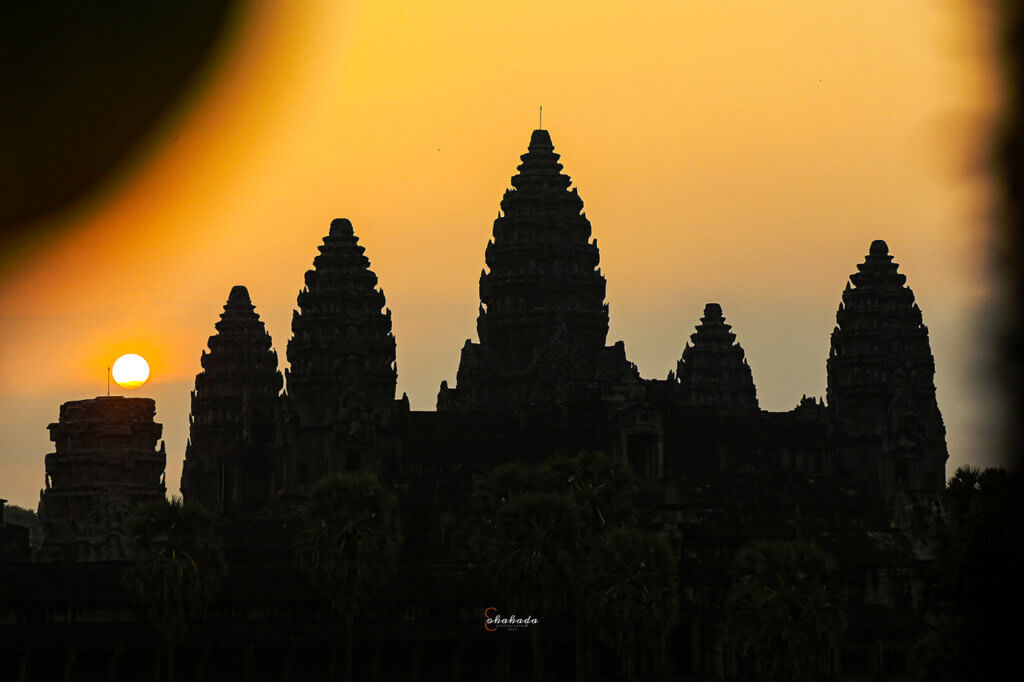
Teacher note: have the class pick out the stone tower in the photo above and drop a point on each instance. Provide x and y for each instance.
(232, 452)
(105, 465)
(543, 321)
(713, 371)
(881, 385)
(341, 384)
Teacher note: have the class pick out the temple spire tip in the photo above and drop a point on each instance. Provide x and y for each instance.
(341, 226)
(540, 139)
(239, 294)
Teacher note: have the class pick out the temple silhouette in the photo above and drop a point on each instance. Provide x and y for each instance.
(859, 471)
(541, 380)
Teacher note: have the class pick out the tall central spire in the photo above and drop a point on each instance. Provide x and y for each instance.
(542, 310)
(543, 277)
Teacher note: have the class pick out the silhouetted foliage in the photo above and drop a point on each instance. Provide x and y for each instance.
(784, 608)
(549, 537)
(530, 548)
(19, 516)
(506, 481)
(980, 559)
(635, 601)
(349, 544)
(604, 494)
(939, 654)
(179, 569)
(26, 518)
(601, 489)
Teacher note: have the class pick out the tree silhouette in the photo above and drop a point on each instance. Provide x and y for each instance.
(180, 566)
(349, 544)
(980, 561)
(27, 518)
(603, 492)
(541, 534)
(939, 653)
(784, 609)
(637, 602)
(528, 548)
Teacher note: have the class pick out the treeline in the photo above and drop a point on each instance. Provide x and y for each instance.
(576, 541)
(974, 625)
(570, 540)
(19, 516)
(26, 518)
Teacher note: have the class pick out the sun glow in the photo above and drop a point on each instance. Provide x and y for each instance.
(130, 371)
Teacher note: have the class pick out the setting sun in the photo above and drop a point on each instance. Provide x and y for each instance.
(130, 371)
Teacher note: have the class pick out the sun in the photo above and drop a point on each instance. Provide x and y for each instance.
(130, 371)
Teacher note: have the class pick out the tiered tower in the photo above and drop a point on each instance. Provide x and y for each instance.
(231, 455)
(105, 465)
(713, 371)
(341, 383)
(881, 381)
(542, 319)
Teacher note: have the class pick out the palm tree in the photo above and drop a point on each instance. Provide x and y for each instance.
(555, 516)
(349, 544)
(978, 554)
(528, 546)
(784, 608)
(180, 566)
(604, 493)
(940, 653)
(637, 602)
(603, 490)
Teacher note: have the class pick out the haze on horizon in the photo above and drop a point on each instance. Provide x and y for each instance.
(745, 153)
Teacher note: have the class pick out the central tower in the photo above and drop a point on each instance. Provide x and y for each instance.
(543, 321)
(543, 278)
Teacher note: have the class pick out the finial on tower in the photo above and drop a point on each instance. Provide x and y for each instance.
(879, 248)
(239, 296)
(540, 119)
(341, 227)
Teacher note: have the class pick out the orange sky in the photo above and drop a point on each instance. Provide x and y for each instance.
(739, 151)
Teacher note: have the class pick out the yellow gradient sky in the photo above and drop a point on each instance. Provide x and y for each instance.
(739, 151)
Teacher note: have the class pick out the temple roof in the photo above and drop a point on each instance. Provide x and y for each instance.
(239, 296)
(543, 266)
(341, 334)
(880, 342)
(878, 297)
(542, 311)
(713, 371)
(540, 139)
(341, 227)
(241, 357)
